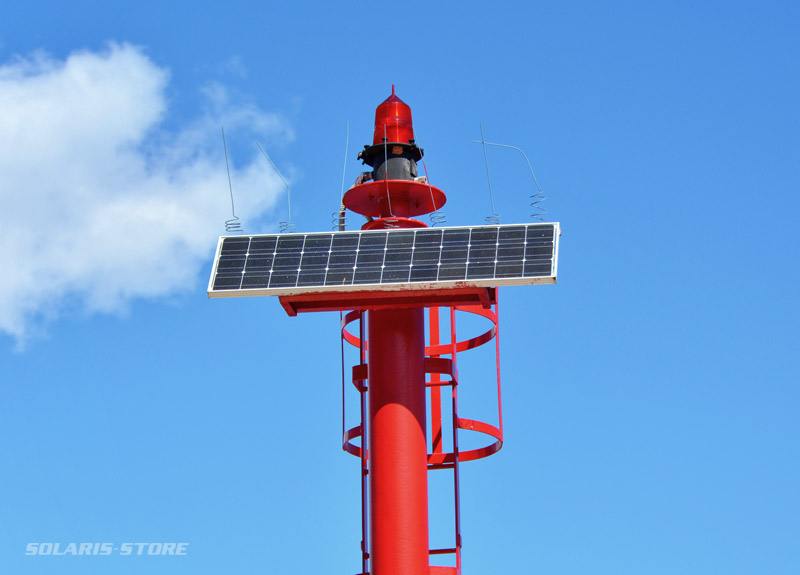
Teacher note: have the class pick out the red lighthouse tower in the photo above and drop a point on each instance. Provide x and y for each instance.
(397, 461)
(382, 279)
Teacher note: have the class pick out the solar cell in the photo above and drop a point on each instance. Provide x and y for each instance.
(422, 258)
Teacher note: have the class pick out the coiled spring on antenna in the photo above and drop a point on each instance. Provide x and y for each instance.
(536, 201)
(286, 226)
(391, 223)
(233, 225)
(437, 218)
(494, 219)
(339, 220)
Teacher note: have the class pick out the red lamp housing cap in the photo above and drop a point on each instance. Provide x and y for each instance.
(393, 122)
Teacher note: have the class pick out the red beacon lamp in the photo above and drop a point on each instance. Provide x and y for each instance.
(395, 193)
(386, 280)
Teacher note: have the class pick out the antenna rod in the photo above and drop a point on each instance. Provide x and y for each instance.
(386, 165)
(344, 167)
(535, 199)
(341, 214)
(287, 224)
(227, 167)
(232, 225)
(488, 176)
(535, 181)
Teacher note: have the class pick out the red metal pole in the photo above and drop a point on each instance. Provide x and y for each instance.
(398, 481)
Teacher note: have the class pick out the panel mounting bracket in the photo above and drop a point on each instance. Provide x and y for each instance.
(406, 298)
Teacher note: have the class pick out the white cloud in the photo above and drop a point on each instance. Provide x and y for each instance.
(98, 205)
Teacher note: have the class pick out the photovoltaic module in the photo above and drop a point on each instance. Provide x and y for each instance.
(420, 258)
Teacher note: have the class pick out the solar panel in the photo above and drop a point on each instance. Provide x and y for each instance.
(421, 258)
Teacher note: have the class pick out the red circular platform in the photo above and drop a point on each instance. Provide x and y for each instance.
(405, 198)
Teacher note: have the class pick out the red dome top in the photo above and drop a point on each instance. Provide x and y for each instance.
(395, 115)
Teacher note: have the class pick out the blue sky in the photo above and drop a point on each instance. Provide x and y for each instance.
(650, 398)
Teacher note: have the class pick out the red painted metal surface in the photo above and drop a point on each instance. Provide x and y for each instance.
(393, 121)
(386, 299)
(396, 372)
(393, 222)
(398, 484)
(394, 198)
(436, 366)
(440, 365)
